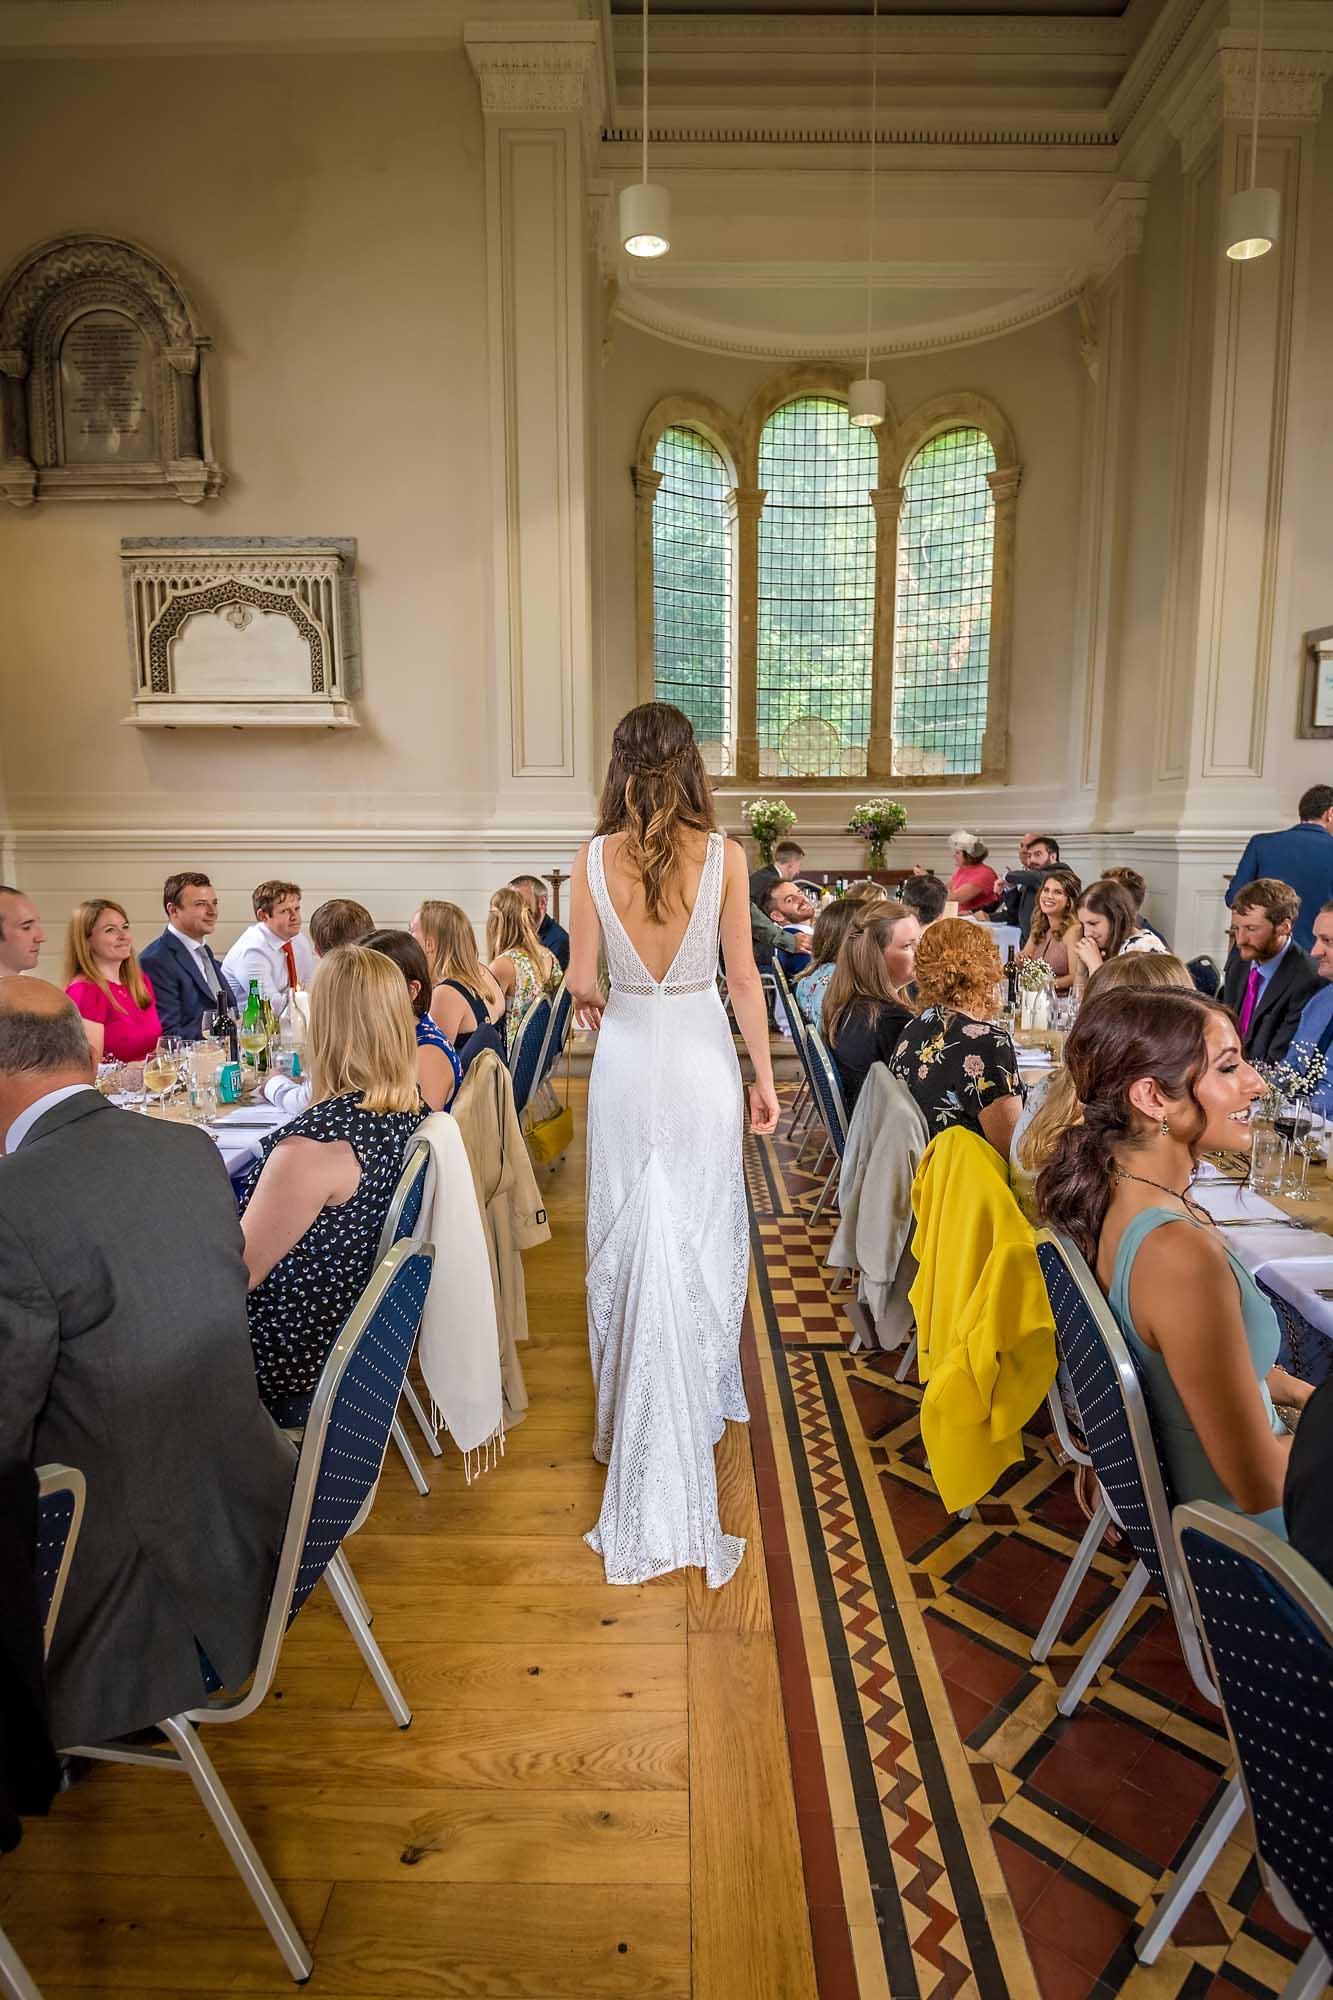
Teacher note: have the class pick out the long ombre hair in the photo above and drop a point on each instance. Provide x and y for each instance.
(362, 1035)
(450, 945)
(509, 927)
(79, 960)
(860, 973)
(1041, 927)
(656, 788)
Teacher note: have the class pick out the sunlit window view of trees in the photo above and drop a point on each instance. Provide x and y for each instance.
(941, 625)
(692, 589)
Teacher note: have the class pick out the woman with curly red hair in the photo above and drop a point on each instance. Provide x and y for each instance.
(959, 1066)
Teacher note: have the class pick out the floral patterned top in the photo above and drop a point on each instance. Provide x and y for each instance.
(527, 985)
(809, 992)
(955, 1067)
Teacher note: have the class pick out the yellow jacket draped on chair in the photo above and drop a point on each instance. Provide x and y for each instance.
(987, 1339)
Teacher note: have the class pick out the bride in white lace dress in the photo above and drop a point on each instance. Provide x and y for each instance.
(668, 1240)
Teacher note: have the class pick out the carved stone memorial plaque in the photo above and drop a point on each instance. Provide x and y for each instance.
(106, 392)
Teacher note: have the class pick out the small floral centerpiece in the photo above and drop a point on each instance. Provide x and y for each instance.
(1035, 975)
(1300, 1072)
(877, 821)
(769, 820)
(1036, 987)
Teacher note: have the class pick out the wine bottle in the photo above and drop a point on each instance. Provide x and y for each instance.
(253, 1036)
(1011, 981)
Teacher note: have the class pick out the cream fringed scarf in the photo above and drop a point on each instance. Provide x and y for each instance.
(459, 1346)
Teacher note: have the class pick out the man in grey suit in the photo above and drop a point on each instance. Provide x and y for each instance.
(124, 1350)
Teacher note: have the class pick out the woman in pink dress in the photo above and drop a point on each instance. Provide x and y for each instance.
(107, 984)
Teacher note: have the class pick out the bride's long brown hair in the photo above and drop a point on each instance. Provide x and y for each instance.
(656, 787)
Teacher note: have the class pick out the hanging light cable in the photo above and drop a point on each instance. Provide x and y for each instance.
(866, 399)
(645, 210)
(1250, 216)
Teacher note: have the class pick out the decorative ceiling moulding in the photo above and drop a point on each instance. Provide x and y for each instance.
(551, 68)
(1118, 226)
(641, 310)
(103, 392)
(1292, 95)
(899, 34)
(1078, 129)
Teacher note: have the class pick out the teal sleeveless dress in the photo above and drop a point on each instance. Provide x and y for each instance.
(1187, 1464)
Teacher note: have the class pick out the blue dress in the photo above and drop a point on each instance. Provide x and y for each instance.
(1187, 1463)
(429, 1036)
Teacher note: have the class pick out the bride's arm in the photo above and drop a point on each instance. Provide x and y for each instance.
(746, 994)
(584, 938)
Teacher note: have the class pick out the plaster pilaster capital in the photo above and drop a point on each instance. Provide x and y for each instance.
(1004, 484)
(1118, 226)
(887, 502)
(646, 485)
(748, 501)
(554, 67)
(1222, 94)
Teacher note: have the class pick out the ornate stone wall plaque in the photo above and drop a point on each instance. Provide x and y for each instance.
(242, 633)
(103, 394)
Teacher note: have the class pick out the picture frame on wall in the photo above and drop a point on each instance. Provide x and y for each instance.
(1316, 716)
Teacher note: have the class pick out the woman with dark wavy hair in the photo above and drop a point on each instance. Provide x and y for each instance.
(668, 1258)
(1161, 1078)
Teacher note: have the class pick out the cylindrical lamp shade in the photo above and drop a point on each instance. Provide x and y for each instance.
(1250, 220)
(645, 219)
(865, 403)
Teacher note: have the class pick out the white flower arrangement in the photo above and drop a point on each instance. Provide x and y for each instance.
(769, 820)
(1300, 1072)
(1035, 975)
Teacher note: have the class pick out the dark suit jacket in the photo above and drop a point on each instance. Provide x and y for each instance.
(1301, 857)
(1305, 1495)
(179, 989)
(1279, 1010)
(125, 1350)
(556, 939)
(1020, 898)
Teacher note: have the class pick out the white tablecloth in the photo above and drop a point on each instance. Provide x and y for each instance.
(239, 1134)
(1291, 1262)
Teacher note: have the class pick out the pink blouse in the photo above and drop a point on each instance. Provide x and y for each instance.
(128, 1032)
(973, 885)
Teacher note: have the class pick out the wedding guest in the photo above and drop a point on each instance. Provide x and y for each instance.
(1305, 1494)
(21, 933)
(553, 935)
(273, 949)
(1110, 927)
(1162, 1079)
(959, 1066)
(105, 981)
(831, 926)
(439, 1072)
(339, 921)
(1038, 853)
(1315, 1027)
(1302, 856)
(1055, 926)
(925, 896)
(1130, 878)
(865, 891)
(314, 1203)
(187, 979)
(784, 867)
(973, 885)
(123, 1351)
(466, 1000)
(792, 911)
(865, 1006)
(1268, 977)
(519, 962)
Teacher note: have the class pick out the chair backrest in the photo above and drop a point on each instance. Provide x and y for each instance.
(405, 1207)
(828, 1091)
(342, 1451)
(557, 1032)
(61, 1491)
(1267, 1621)
(795, 1018)
(1113, 1415)
(524, 1054)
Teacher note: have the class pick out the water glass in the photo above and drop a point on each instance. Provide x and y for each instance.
(1267, 1157)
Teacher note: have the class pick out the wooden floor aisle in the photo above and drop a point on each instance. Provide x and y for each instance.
(594, 1797)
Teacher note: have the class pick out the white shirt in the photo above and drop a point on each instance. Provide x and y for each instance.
(200, 956)
(25, 1121)
(257, 954)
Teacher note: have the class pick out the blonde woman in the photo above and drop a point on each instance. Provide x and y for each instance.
(107, 984)
(865, 1007)
(466, 997)
(520, 963)
(314, 1204)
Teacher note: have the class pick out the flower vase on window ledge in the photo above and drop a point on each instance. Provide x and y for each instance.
(769, 820)
(877, 821)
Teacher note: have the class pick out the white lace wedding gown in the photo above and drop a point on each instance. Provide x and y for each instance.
(668, 1246)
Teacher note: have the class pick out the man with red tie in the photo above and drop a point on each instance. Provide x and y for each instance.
(1269, 978)
(274, 950)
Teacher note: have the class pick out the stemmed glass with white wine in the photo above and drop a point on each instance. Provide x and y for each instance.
(161, 1071)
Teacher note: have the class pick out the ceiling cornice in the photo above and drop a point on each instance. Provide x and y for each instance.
(899, 34)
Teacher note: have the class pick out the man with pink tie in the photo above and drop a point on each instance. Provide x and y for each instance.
(1269, 978)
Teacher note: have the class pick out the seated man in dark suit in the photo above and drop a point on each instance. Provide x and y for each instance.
(1269, 978)
(553, 935)
(125, 1350)
(784, 867)
(187, 980)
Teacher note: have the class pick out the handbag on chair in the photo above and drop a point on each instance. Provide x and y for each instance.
(550, 1124)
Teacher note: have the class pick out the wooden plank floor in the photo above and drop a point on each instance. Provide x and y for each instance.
(593, 1799)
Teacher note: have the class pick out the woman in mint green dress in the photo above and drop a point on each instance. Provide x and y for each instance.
(1162, 1079)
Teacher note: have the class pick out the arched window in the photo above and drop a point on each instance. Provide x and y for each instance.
(692, 617)
(816, 591)
(942, 607)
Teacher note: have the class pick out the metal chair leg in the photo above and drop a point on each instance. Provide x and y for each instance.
(348, 1576)
(408, 1456)
(825, 1191)
(1106, 1635)
(344, 1598)
(909, 1356)
(239, 1845)
(431, 1436)
(1309, 1979)
(1211, 1839)
(1079, 1565)
(14, 1981)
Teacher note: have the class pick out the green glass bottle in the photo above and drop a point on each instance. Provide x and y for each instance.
(253, 1034)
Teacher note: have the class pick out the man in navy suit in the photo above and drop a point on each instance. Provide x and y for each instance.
(187, 979)
(1303, 856)
(553, 935)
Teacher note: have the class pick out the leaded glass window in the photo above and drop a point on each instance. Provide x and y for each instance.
(816, 591)
(692, 616)
(942, 611)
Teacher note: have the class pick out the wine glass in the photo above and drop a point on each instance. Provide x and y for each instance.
(161, 1071)
(208, 1022)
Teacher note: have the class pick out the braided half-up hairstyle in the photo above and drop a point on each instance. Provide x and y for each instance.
(1120, 1038)
(656, 786)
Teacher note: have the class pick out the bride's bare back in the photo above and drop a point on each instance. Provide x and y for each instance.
(657, 944)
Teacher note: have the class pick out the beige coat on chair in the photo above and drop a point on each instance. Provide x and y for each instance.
(885, 1142)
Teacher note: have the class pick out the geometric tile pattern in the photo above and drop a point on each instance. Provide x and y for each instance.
(987, 1845)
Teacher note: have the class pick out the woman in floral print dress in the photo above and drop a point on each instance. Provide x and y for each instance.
(958, 1064)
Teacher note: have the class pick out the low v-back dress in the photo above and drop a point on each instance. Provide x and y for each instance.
(668, 1246)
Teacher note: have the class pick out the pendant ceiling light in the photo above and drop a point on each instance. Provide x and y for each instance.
(866, 399)
(1251, 215)
(645, 210)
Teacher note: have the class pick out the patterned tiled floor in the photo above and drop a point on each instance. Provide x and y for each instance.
(960, 1837)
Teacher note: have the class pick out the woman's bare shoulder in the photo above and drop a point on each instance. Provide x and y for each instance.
(1184, 1255)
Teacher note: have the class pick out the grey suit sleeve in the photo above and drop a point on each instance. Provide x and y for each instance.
(29, 1344)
